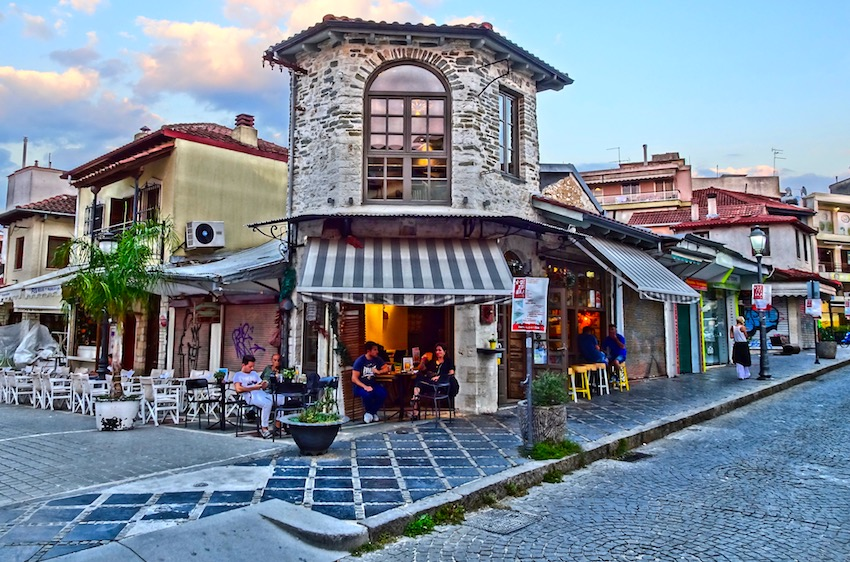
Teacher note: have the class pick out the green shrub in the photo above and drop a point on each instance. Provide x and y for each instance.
(546, 450)
(450, 514)
(553, 476)
(513, 489)
(826, 334)
(422, 525)
(549, 388)
(489, 499)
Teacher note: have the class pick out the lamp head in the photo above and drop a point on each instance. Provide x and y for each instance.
(107, 242)
(758, 240)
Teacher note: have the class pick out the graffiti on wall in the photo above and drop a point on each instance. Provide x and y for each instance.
(188, 350)
(243, 341)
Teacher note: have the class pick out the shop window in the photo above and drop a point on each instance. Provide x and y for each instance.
(53, 245)
(407, 132)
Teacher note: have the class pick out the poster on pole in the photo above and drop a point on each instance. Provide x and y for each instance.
(529, 304)
(813, 307)
(761, 296)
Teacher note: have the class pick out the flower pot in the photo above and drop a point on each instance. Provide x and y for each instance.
(827, 349)
(313, 438)
(493, 345)
(115, 415)
(549, 424)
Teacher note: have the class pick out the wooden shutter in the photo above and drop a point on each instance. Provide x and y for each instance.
(352, 334)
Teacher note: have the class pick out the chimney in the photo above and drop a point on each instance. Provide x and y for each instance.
(142, 132)
(711, 212)
(26, 140)
(245, 131)
(644, 155)
(694, 211)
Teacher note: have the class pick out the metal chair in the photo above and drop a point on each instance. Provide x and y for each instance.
(198, 397)
(438, 397)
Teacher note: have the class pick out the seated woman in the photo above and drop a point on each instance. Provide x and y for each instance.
(438, 370)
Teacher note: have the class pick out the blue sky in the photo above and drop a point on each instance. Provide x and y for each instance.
(723, 83)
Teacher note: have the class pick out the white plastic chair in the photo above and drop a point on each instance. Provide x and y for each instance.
(78, 393)
(37, 390)
(54, 390)
(160, 399)
(94, 389)
(5, 386)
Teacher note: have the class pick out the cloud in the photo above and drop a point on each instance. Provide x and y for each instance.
(86, 6)
(37, 27)
(78, 57)
(812, 182)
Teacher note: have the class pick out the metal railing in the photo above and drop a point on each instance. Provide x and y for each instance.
(638, 197)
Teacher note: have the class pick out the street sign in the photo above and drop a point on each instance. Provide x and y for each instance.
(762, 296)
(813, 307)
(528, 313)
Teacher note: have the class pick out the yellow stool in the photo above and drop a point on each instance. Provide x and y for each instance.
(583, 386)
(572, 384)
(624, 379)
(602, 374)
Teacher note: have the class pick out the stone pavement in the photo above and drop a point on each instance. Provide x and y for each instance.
(372, 474)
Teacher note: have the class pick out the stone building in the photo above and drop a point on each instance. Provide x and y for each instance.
(415, 196)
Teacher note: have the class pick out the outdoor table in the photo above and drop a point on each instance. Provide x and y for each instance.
(401, 384)
(222, 405)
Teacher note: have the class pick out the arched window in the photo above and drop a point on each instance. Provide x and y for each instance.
(407, 137)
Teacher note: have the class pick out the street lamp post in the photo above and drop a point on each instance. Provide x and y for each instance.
(758, 240)
(107, 243)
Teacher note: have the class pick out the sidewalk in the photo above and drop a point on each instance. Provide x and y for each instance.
(375, 477)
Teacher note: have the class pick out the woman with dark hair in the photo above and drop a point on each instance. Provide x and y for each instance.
(439, 370)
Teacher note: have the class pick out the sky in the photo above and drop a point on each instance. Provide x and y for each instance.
(757, 87)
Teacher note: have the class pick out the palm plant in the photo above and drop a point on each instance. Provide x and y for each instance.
(115, 283)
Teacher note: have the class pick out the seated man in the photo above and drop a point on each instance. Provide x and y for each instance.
(588, 347)
(251, 388)
(614, 346)
(366, 385)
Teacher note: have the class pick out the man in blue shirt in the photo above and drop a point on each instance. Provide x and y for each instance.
(614, 346)
(366, 385)
(588, 346)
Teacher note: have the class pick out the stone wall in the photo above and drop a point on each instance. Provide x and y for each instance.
(327, 163)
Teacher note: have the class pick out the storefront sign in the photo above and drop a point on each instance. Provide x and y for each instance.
(813, 307)
(529, 304)
(847, 308)
(762, 297)
(697, 284)
(208, 312)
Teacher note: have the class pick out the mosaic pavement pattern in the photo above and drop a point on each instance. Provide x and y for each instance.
(380, 472)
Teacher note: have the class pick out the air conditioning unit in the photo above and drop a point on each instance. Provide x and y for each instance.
(204, 234)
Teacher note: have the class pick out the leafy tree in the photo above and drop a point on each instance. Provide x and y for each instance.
(115, 283)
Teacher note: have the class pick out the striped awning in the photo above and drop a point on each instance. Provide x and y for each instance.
(643, 273)
(405, 271)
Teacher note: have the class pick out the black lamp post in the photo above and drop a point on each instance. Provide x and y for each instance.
(107, 242)
(758, 240)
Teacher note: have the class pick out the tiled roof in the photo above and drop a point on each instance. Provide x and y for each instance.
(59, 204)
(659, 217)
(726, 198)
(282, 53)
(803, 275)
(222, 134)
(751, 220)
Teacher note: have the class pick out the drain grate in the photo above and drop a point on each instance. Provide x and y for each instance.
(501, 521)
(633, 457)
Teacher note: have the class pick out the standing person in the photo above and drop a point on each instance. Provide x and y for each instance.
(614, 346)
(366, 385)
(439, 370)
(740, 349)
(247, 383)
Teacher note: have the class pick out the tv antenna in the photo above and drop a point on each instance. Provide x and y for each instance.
(776, 152)
(617, 148)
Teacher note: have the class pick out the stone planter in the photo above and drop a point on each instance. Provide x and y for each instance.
(827, 349)
(313, 438)
(550, 422)
(115, 415)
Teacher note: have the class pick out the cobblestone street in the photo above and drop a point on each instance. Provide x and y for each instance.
(770, 481)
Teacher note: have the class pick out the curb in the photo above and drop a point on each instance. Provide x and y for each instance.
(479, 493)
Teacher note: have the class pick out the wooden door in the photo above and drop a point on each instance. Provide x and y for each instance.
(352, 334)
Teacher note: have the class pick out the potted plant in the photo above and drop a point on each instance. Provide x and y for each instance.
(219, 375)
(315, 429)
(827, 346)
(110, 283)
(492, 341)
(549, 398)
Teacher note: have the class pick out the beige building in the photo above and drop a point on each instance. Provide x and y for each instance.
(209, 181)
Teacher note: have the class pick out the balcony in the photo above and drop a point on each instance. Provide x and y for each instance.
(633, 198)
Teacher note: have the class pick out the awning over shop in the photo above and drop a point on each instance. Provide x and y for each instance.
(251, 271)
(642, 272)
(42, 294)
(405, 271)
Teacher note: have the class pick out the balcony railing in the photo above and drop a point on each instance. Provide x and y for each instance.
(638, 198)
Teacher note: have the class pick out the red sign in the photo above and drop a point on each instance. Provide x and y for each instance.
(697, 284)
